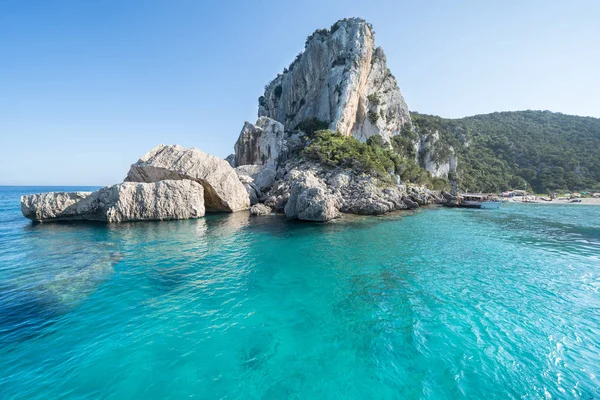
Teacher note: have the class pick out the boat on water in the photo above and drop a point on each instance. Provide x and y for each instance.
(476, 200)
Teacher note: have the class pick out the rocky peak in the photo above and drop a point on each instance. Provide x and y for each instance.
(340, 78)
(259, 143)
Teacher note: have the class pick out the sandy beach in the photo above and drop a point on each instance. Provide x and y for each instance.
(584, 201)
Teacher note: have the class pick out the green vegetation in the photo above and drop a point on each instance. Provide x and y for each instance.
(540, 150)
(310, 126)
(375, 157)
(403, 144)
(373, 117)
(373, 99)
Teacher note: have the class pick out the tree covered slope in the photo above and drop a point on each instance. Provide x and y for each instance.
(503, 150)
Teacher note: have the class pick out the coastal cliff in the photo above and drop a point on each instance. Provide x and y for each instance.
(333, 136)
(342, 79)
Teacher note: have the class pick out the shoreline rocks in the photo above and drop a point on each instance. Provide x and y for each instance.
(260, 210)
(52, 205)
(313, 193)
(340, 81)
(223, 191)
(309, 200)
(129, 201)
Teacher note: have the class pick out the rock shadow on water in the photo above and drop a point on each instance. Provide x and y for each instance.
(28, 311)
(61, 267)
(25, 315)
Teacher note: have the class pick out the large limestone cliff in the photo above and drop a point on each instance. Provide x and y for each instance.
(340, 78)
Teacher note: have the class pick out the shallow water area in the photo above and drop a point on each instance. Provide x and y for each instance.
(432, 304)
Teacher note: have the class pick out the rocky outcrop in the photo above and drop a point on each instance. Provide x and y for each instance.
(223, 191)
(256, 180)
(323, 193)
(309, 199)
(262, 176)
(362, 196)
(260, 143)
(127, 201)
(340, 81)
(52, 205)
(260, 209)
(340, 78)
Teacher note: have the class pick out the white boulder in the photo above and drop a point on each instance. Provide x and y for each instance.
(129, 201)
(223, 191)
(309, 200)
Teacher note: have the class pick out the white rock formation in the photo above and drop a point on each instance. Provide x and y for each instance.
(223, 191)
(260, 210)
(340, 78)
(127, 201)
(262, 176)
(309, 200)
(52, 205)
(259, 143)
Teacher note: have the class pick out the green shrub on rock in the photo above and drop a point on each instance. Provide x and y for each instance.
(373, 117)
(373, 99)
(373, 158)
(335, 150)
(310, 126)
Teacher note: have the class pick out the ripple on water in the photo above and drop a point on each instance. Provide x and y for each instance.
(437, 303)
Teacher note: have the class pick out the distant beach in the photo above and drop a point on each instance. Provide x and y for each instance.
(584, 201)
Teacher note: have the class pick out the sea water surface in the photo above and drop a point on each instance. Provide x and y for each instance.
(433, 304)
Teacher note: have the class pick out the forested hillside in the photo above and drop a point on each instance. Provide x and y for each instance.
(538, 149)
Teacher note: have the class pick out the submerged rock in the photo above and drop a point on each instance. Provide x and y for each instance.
(129, 201)
(223, 191)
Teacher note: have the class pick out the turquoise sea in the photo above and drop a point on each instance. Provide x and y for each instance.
(433, 304)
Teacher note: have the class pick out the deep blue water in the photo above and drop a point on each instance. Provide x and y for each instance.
(434, 304)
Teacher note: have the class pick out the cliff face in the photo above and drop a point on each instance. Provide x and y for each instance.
(340, 78)
(259, 143)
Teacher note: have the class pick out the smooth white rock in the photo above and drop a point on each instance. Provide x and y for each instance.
(128, 201)
(223, 191)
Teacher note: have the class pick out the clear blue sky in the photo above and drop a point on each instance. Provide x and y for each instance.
(87, 87)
